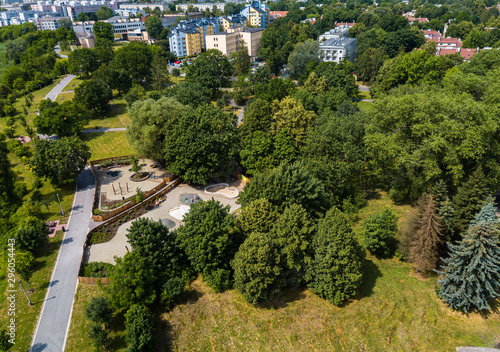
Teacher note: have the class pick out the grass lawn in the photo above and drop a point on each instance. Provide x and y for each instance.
(395, 310)
(363, 94)
(107, 144)
(116, 117)
(26, 315)
(78, 340)
(365, 105)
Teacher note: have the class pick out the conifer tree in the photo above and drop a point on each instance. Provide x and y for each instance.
(336, 268)
(486, 215)
(446, 215)
(469, 199)
(426, 238)
(472, 274)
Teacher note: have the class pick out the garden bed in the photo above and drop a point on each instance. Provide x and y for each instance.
(139, 176)
(107, 231)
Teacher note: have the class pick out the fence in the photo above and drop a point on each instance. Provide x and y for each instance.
(93, 280)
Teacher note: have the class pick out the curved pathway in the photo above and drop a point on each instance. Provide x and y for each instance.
(52, 95)
(53, 322)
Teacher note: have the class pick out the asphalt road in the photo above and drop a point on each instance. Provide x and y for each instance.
(52, 95)
(53, 323)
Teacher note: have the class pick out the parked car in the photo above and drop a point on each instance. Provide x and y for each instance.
(178, 62)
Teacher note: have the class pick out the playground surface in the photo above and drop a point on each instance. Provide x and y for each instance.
(115, 182)
(168, 212)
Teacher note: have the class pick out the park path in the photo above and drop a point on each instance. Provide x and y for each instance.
(104, 129)
(52, 95)
(53, 322)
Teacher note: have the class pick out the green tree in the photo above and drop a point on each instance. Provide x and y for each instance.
(99, 311)
(335, 153)
(135, 58)
(256, 268)
(172, 291)
(193, 94)
(161, 248)
(5, 345)
(290, 115)
(257, 153)
(275, 89)
(154, 26)
(412, 164)
(115, 79)
(132, 281)
(103, 30)
(469, 200)
(31, 234)
(293, 235)
(370, 62)
(65, 119)
(82, 62)
(94, 95)
(258, 216)
(471, 276)
(99, 336)
(8, 198)
(338, 257)
(211, 70)
(150, 122)
(66, 23)
(379, 231)
(104, 13)
(140, 329)
(210, 240)
(300, 58)
(60, 161)
(287, 185)
(159, 72)
(24, 265)
(240, 59)
(258, 117)
(459, 30)
(201, 144)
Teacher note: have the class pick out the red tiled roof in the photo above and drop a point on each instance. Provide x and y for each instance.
(467, 53)
(443, 52)
(431, 33)
(278, 13)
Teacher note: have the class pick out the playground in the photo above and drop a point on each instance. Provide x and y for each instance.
(117, 183)
(170, 212)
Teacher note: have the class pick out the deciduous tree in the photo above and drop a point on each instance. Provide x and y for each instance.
(210, 240)
(94, 95)
(140, 329)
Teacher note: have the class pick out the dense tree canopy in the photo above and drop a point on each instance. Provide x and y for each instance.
(211, 70)
(287, 185)
(60, 161)
(65, 119)
(150, 122)
(94, 95)
(201, 144)
(210, 240)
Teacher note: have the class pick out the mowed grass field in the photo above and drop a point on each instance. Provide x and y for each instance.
(395, 310)
(107, 144)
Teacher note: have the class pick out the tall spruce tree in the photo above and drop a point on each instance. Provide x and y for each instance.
(425, 240)
(336, 268)
(469, 199)
(446, 215)
(472, 274)
(486, 215)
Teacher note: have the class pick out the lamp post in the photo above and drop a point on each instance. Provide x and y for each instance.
(28, 297)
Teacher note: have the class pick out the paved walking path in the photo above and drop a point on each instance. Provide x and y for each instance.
(104, 129)
(52, 95)
(53, 323)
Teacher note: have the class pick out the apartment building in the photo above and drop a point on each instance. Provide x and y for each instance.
(257, 14)
(227, 42)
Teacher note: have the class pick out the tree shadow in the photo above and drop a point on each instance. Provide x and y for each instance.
(283, 298)
(164, 335)
(115, 110)
(117, 325)
(494, 305)
(190, 296)
(39, 347)
(371, 273)
(371, 195)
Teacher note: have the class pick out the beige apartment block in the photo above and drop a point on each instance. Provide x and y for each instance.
(227, 42)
